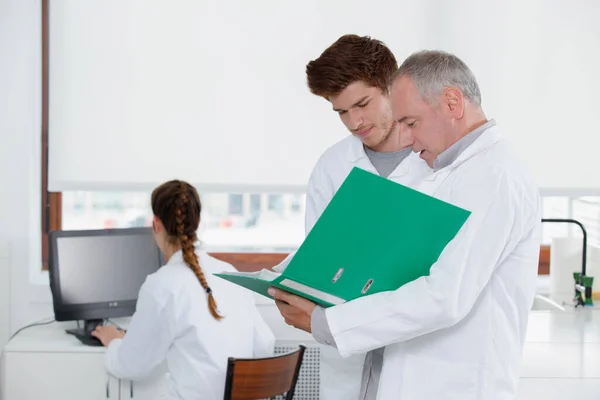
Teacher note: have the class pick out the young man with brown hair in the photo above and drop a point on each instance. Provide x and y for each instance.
(353, 75)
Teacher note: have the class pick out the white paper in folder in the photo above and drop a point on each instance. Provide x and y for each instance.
(565, 258)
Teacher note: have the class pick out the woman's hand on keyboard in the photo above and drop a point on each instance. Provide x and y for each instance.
(107, 333)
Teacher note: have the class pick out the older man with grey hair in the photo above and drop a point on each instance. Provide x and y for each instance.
(457, 333)
(431, 77)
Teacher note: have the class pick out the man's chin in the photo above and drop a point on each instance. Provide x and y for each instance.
(371, 141)
(428, 158)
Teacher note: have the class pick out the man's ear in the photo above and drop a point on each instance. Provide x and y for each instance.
(454, 102)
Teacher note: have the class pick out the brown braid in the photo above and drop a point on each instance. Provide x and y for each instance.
(177, 205)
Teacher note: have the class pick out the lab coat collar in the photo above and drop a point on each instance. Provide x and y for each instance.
(177, 257)
(486, 140)
(452, 152)
(356, 151)
(356, 155)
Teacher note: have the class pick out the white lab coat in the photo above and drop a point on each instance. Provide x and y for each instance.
(340, 378)
(172, 323)
(459, 333)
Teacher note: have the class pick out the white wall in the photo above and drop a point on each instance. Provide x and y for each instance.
(20, 161)
(4, 295)
(4, 300)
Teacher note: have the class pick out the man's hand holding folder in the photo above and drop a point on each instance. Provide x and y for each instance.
(297, 311)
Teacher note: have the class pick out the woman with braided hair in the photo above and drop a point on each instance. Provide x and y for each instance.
(184, 316)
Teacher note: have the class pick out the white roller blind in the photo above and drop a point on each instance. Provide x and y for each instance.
(209, 91)
(537, 63)
(215, 91)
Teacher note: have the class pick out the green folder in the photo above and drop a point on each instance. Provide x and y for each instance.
(375, 235)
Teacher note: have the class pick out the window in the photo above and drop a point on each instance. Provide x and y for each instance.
(240, 228)
(587, 211)
(554, 207)
(241, 221)
(236, 204)
(276, 203)
(255, 237)
(583, 209)
(229, 222)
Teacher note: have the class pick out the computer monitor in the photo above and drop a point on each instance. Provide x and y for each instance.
(97, 274)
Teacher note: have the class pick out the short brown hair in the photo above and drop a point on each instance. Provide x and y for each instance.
(349, 59)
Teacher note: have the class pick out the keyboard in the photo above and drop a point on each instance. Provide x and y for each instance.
(89, 340)
(85, 337)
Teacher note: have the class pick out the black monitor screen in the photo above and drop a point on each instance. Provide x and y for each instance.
(98, 274)
(104, 268)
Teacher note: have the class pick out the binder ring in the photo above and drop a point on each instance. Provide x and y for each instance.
(367, 286)
(337, 275)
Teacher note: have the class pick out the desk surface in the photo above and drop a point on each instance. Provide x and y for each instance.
(51, 338)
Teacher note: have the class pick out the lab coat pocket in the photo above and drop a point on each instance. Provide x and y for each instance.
(427, 378)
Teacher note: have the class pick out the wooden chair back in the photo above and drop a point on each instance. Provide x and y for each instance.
(261, 378)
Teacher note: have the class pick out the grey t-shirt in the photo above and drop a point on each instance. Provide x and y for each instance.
(386, 163)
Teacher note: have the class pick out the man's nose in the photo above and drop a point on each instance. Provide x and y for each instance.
(356, 118)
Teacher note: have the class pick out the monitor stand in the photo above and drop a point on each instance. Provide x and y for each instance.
(85, 334)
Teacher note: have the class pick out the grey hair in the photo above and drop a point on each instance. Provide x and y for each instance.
(433, 70)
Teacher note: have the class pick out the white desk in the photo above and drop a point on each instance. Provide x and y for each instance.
(44, 362)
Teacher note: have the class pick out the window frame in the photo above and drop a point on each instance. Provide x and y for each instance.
(544, 262)
(52, 201)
